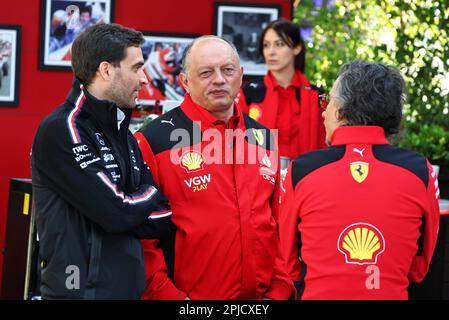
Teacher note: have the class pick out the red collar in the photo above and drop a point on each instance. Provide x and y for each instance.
(358, 134)
(298, 80)
(197, 113)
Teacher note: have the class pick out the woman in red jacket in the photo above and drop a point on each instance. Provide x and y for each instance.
(284, 99)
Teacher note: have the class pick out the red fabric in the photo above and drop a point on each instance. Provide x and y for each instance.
(226, 241)
(300, 125)
(322, 204)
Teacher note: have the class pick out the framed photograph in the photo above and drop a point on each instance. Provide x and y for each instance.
(61, 22)
(9, 64)
(163, 54)
(242, 24)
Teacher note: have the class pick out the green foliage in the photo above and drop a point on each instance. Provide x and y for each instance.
(430, 140)
(411, 35)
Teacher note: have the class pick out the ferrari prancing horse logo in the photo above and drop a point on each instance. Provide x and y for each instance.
(359, 171)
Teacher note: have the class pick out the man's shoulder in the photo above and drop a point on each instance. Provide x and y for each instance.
(56, 120)
(404, 158)
(170, 129)
(314, 160)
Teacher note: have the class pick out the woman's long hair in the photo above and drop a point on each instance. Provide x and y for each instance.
(291, 35)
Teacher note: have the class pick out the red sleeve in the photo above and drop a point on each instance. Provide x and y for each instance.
(431, 219)
(159, 286)
(288, 227)
(281, 286)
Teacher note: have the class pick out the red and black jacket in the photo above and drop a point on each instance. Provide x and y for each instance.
(359, 220)
(225, 206)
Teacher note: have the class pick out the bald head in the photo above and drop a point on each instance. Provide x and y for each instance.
(212, 75)
(201, 41)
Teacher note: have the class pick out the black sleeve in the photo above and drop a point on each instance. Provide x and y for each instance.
(87, 185)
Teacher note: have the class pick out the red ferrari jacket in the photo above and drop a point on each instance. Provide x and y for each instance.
(222, 182)
(359, 220)
(294, 111)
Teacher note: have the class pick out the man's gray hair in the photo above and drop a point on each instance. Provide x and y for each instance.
(186, 54)
(372, 94)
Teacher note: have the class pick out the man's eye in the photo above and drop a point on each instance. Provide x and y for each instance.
(205, 74)
(229, 71)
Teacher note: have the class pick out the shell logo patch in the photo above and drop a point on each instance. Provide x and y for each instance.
(359, 170)
(361, 243)
(258, 135)
(254, 112)
(192, 161)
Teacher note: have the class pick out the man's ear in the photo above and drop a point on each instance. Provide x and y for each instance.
(105, 70)
(184, 81)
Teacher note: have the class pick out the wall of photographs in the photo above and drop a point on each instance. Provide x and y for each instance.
(35, 57)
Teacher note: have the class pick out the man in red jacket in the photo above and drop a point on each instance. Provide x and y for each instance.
(219, 170)
(359, 220)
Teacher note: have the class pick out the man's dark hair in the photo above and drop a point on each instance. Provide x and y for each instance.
(372, 94)
(102, 42)
(86, 9)
(291, 35)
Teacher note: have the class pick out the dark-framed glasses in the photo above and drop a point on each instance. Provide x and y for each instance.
(323, 100)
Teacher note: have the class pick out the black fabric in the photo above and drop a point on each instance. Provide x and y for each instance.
(407, 159)
(300, 284)
(168, 124)
(167, 244)
(90, 195)
(314, 160)
(254, 91)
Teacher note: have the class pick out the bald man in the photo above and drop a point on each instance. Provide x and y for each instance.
(219, 170)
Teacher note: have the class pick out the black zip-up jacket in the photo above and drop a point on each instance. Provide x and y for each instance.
(94, 198)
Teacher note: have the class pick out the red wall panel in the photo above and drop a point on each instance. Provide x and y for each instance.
(41, 91)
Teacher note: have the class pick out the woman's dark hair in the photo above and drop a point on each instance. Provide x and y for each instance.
(291, 35)
(372, 94)
(102, 42)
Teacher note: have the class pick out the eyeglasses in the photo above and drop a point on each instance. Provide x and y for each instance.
(323, 100)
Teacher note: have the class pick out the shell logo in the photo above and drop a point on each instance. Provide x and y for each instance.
(361, 243)
(192, 161)
(254, 112)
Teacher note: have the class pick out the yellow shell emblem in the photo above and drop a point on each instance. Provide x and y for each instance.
(359, 170)
(254, 112)
(258, 135)
(361, 243)
(192, 161)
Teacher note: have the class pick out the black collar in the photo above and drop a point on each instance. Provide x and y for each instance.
(103, 110)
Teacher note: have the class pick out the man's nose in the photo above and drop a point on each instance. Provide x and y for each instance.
(218, 77)
(143, 77)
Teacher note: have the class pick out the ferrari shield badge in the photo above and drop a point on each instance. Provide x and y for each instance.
(359, 171)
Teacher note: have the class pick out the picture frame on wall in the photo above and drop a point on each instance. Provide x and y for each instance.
(163, 54)
(242, 24)
(10, 37)
(61, 23)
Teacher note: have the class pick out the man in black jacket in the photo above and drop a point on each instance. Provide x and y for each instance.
(94, 196)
